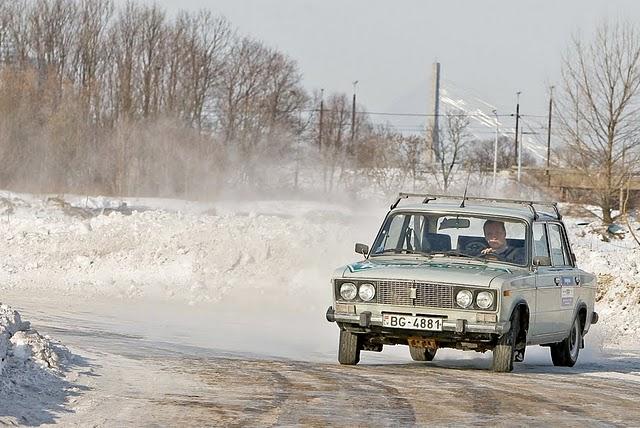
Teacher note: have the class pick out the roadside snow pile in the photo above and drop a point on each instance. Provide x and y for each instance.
(34, 373)
(616, 262)
(22, 347)
(196, 255)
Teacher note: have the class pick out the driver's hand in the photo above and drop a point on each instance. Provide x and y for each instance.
(488, 251)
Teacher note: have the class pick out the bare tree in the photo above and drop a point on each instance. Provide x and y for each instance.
(52, 25)
(599, 109)
(89, 57)
(479, 154)
(386, 161)
(453, 138)
(413, 147)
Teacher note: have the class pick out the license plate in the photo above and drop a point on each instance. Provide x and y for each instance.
(411, 322)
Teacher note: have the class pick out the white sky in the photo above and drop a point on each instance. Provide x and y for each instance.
(491, 47)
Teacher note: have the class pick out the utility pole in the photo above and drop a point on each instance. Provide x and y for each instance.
(520, 155)
(515, 153)
(321, 115)
(434, 153)
(549, 137)
(353, 113)
(495, 150)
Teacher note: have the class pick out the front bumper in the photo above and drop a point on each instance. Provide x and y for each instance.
(366, 320)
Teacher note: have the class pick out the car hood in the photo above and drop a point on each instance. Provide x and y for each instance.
(442, 271)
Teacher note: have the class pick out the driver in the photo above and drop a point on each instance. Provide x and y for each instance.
(496, 236)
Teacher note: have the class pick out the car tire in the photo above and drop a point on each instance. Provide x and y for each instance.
(422, 354)
(504, 351)
(565, 353)
(349, 348)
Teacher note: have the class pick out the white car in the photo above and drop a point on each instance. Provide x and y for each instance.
(467, 273)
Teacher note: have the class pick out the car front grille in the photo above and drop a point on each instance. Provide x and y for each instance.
(426, 294)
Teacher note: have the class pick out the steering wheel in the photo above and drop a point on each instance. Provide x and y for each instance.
(474, 248)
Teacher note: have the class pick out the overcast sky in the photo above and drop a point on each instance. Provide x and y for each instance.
(492, 48)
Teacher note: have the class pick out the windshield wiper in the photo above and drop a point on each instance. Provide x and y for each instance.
(460, 254)
(402, 251)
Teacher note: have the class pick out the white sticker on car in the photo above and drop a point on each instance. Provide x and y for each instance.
(567, 296)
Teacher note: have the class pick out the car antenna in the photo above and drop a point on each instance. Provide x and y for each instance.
(465, 190)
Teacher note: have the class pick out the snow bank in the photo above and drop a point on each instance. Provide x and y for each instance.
(192, 256)
(34, 373)
(21, 346)
(616, 261)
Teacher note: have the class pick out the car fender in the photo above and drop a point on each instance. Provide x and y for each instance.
(587, 322)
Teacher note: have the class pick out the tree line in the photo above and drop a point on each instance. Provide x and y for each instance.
(130, 100)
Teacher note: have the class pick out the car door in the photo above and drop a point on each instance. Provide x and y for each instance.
(569, 284)
(563, 275)
(548, 293)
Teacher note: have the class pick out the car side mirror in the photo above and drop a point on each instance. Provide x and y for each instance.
(541, 261)
(362, 249)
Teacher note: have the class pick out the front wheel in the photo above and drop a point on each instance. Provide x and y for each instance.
(504, 351)
(422, 354)
(565, 353)
(349, 348)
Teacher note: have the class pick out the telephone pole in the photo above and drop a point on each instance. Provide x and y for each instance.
(353, 113)
(549, 137)
(495, 150)
(320, 122)
(515, 154)
(434, 153)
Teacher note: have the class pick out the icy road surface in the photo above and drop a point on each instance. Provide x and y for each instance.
(142, 372)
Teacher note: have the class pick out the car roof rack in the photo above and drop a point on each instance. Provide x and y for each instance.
(426, 198)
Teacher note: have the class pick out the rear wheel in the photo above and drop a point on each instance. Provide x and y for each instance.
(422, 354)
(504, 351)
(348, 348)
(565, 353)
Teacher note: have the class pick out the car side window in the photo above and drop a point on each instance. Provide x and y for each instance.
(556, 243)
(540, 246)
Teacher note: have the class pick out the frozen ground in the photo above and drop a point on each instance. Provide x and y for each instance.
(137, 294)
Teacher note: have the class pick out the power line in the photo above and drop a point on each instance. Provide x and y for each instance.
(375, 113)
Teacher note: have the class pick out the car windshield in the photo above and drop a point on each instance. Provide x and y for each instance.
(453, 235)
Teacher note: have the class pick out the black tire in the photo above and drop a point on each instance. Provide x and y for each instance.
(422, 354)
(349, 348)
(565, 353)
(503, 353)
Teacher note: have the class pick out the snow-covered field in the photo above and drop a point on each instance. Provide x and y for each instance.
(170, 270)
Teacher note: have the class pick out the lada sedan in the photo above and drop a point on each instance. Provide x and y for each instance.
(466, 273)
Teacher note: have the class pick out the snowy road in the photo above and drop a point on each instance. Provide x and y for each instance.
(136, 376)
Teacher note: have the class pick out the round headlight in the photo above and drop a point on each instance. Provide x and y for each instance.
(367, 292)
(484, 299)
(464, 298)
(348, 291)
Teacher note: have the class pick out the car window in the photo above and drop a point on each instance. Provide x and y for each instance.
(558, 252)
(432, 233)
(540, 246)
(402, 232)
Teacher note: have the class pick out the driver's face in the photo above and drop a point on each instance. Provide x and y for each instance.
(495, 235)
